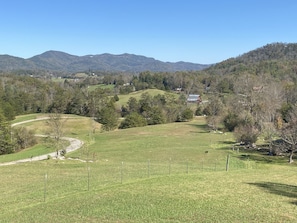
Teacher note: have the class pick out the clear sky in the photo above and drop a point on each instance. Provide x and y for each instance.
(199, 31)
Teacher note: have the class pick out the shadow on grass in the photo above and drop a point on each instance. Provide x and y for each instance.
(203, 128)
(262, 157)
(231, 143)
(256, 155)
(278, 189)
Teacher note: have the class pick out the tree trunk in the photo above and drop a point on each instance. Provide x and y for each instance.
(291, 157)
(291, 154)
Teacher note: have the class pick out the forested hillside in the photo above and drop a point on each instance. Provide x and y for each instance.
(278, 60)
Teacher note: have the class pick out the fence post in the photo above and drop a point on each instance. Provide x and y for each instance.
(170, 166)
(148, 168)
(45, 187)
(248, 162)
(227, 162)
(88, 178)
(187, 166)
(122, 172)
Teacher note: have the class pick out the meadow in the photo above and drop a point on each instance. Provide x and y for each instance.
(166, 173)
(124, 98)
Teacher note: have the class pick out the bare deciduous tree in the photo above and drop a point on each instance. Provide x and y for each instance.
(214, 111)
(56, 124)
(289, 134)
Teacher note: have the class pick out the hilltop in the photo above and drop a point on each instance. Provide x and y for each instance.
(275, 59)
(60, 61)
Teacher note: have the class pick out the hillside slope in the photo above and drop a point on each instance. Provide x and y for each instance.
(276, 59)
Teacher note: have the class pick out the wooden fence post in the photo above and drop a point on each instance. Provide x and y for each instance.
(227, 162)
(148, 168)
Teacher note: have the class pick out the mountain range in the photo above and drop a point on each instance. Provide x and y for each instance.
(275, 58)
(60, 61)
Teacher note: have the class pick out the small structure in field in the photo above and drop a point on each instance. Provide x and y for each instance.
(194, 98)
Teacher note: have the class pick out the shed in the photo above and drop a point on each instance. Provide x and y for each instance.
(194, 98)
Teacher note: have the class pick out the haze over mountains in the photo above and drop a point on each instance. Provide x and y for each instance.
(60, 61)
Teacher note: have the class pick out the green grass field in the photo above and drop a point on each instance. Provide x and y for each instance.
(165, 173)
(137, 94)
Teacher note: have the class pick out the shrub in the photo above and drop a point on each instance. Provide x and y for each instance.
(24, 138)
(116, 97)
(185, 115)
(231, 121)
(247, 134)
(199, 111)
(133, 120)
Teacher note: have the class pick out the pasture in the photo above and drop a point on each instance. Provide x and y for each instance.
(166, 173)
(124, 98)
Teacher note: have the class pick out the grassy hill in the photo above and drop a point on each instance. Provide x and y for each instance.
(165, 173)
(137, 94)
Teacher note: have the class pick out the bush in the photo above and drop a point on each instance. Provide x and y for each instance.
(199, 111)
(247, 134)
(116, 97)
(231, 121)
(186, 115)
(133, 120)
(24, 138)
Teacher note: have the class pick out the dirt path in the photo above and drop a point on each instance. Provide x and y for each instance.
(74, 145)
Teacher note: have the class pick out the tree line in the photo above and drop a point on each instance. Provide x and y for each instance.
(23, 94)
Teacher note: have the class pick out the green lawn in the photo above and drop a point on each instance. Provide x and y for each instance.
(166, 173)
(22, 118)
(247, 195)
(37, 150)
(137, 94)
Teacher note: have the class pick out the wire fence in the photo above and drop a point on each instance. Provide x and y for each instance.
(64, 179)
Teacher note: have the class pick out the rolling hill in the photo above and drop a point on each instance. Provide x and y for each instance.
(149, 174)
(60, 61)
(276, 59)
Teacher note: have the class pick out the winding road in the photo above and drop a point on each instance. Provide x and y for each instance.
(74, 145)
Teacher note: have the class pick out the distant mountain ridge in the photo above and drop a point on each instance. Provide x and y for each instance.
(60, 61)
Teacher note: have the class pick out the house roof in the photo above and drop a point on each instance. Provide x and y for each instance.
(193, 97)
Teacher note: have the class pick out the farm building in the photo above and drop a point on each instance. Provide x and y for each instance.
(195, 98)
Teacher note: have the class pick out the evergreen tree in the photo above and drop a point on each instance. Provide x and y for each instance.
(133, 120)
(186, 115)
(108, 116)
(6, 144)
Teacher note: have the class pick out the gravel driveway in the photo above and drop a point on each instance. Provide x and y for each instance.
(74, 145)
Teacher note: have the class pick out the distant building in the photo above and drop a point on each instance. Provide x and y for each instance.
(194, 98)
(178, 89)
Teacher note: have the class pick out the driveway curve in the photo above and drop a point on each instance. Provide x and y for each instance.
(74, 145)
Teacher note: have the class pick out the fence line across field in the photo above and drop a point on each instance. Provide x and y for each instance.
(108, 174)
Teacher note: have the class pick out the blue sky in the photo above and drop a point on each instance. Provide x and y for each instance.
(207, 31)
